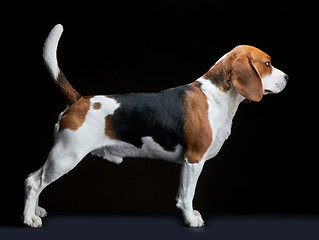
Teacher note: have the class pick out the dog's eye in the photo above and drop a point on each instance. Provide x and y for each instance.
(268, 64)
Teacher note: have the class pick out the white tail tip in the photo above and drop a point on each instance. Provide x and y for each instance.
(49, 50)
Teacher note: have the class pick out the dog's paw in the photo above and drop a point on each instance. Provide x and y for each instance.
(193, 219)
(40, 212)
(33, 221)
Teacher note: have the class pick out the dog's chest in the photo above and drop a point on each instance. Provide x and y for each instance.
(221, 110)
(221, 128)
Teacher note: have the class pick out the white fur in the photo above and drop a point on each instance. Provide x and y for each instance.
(115, 150)
(275, 82)
(68, 150)
(49, 50)
(188, 180)
(221, 110)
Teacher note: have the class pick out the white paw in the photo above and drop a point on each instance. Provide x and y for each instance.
(33, 221)
(39, 211)
(193, 219)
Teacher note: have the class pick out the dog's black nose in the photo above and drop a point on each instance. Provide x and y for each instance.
(286, 77)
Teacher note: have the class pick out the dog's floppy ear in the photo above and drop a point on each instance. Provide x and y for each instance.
(246, 79)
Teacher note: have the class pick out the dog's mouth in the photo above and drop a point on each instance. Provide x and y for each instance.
(266, 91)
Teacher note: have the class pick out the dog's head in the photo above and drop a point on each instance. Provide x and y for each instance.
(250, 71)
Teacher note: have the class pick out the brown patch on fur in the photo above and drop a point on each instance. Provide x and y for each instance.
(108, 127)
(74, 115)
(197, 131)
(219, 76)
(248, 69)
(246, 79)
(256, 57)
(68, 92)
(96, 105)
(243, 67)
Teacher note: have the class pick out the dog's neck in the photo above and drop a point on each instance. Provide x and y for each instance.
(219, 90)
(227, 101)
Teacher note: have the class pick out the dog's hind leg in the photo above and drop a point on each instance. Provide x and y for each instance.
(60, 161)
(31, 204)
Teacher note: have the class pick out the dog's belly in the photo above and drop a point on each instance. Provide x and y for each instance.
(115, 151)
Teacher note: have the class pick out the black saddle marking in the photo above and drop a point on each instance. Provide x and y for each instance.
(158, 115)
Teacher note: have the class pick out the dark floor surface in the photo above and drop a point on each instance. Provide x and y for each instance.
(152, 225)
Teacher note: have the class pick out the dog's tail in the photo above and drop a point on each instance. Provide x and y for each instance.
(50, 60)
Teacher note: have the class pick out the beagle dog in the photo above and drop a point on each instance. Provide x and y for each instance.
(186, 124)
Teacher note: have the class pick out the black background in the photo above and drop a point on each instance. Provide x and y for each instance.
(268, 164)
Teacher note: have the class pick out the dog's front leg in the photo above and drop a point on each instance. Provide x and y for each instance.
(189, 176)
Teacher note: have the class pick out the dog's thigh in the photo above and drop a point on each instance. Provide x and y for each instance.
(62, 159)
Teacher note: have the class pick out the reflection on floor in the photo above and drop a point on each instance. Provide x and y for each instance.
(137, 225)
